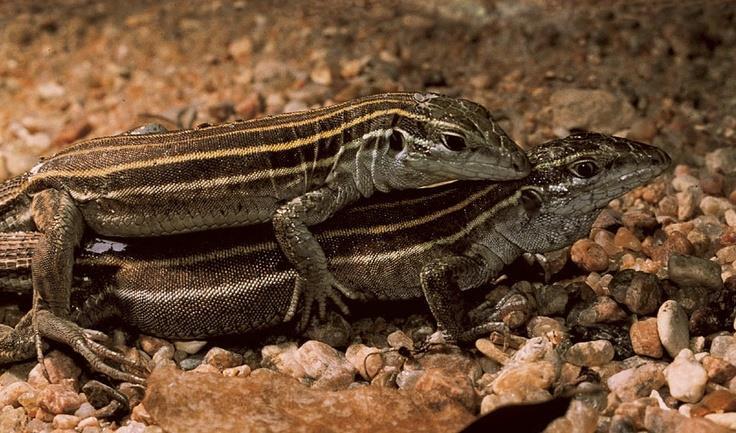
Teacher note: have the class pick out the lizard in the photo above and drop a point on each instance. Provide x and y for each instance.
(294, 170)
(428, 245)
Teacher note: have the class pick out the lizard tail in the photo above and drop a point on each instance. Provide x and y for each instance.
(15, 205)
(16, 252)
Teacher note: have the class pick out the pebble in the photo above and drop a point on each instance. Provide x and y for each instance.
(190, 347)
(531, 375)
(62, 421)
(730, 217)
(637, 382)
(625, 239)
(9, 393)
(50, 90)
(151, 345)
(590, 353)
(686, 378)
(551, 300)
(719, 370)
(645, 338)
(437, 384)
(547, 327)
(328, 367)
(487, 348)
(691, 271)
(241, 49)
(672, 326)
(85, 410)
(716, 206)
(724, 347)
(726, 255)
(721, 161)
(727, 420)
(399, 339)
(685, 182)
(641, 292)
(593, 110)
(283, 358)
(687, 203)
(407, 379)
(222, 359)
(601, 310)
(719, 400)
(589, 255)
(239, 371)
(59, 398)
(132, 427)
(14, 420)
(368, 361)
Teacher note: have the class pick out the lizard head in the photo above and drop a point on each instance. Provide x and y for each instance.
(571, 181)
(452, 139)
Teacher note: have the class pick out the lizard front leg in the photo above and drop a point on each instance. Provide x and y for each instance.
(291, 223)
(442, 281)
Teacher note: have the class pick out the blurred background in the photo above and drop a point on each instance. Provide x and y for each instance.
(656, 71)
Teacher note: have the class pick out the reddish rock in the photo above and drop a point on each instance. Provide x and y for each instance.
(589, 255)
(645, 338)
(658, 420)
(192, 403)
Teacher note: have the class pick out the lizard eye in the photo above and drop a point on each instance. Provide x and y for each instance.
(454, 143)
(396, 141)
(530, 200)
(584, 169)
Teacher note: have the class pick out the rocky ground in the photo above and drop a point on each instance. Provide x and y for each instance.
(644, 306)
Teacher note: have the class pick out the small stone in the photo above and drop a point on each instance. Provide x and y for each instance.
(151, 345)
(63, 421)
(132, 427)
(645, 338)
(239, 371)
(658, 420)
(672, 326)
(727, 420)
(352, 68)
(59, 398)
(531, 375)
(547, 327)
(712, 184)
(283, 358)
(594, 110)
(321, 74)
(222, 359)
(59, 367)
(686, 378)
(687, 203)
(89, 422)
(326, 365)
(398, 339)
(14, 420)
(726, 255)
(589, 255)
(206, 368)
(639, 291)
(637, 219)
(730, 217)
(439, 384)
(691, 271)
(50, 90)
(490, 350)
(241, 49)
(719, 371)
(722, 161)
(723, 346)
(625, 239)
(368, 361)
(605, 239)
(715, 206)
(85, 410)
(590, 353)
(190, 347)
(407, 379)
(720, 400)
(685, 182)
(637, 382)
(9, 393)
(551, 299)
(601, 310)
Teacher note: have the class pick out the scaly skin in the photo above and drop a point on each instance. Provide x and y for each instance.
(294, 170)
(412, 245)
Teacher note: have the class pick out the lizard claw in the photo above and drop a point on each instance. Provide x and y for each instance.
(328, 289)
(98, 356)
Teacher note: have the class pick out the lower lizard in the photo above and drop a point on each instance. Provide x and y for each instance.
(430, 245)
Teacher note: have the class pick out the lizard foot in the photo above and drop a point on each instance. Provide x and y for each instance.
(83, 342)
(327, 289)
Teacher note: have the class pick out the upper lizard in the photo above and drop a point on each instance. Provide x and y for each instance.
(294, 169)
(413, 245)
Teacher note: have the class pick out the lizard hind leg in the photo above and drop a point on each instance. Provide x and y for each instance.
(83, 342)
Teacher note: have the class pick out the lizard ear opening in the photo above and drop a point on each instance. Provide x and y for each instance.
(530, 200)
(396, 141)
